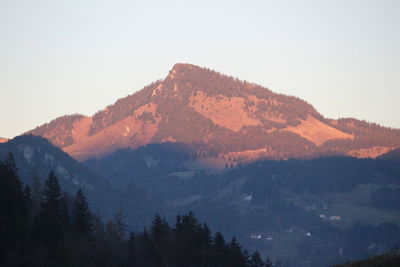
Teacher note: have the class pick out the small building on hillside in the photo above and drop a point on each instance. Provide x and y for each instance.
(255, 236)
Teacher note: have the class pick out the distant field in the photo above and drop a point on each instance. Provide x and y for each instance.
(355, 207)
(282, 246)
(183, 175)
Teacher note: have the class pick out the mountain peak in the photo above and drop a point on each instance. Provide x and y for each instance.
(224, 116)
(184, 66)
(179, 69)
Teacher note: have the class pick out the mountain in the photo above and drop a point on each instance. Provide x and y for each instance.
(391, 155)
(222, 116)
(36, 156)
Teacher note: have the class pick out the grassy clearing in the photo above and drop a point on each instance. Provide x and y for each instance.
(356, 207)
(183, 175)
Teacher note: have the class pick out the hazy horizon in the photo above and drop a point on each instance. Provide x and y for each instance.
(62, 58)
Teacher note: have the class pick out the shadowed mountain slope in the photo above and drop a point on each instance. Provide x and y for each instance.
(391, 155)
(347, 205)
(36, 156)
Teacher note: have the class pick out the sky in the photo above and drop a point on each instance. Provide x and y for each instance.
(67, 57)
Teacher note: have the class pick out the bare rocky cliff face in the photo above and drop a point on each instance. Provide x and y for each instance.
(223, 117)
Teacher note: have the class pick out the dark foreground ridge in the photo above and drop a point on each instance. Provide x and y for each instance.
(391, 259)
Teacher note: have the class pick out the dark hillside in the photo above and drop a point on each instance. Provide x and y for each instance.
(36, 157)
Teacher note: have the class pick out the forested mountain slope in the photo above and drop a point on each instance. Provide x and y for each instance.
(306, 212)
(224, 116)
(36, 157)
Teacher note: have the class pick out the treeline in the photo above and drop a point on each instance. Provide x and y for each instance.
(122, 108)
(42, 226)
(386, 198)
(317, 176)
(60, 129)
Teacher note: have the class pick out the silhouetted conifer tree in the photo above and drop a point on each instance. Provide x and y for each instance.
(49, 221)
(235, 254)
(13, 210)
(219, 249)
(256, 260)
(82, 217)
(159, 228)
(36, 184)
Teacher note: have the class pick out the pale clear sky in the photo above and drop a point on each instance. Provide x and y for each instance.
(64, 57)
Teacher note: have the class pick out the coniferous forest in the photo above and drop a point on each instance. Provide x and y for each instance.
(44, 226)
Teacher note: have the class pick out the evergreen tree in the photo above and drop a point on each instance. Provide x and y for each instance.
(121, 226)
(131, 249)
(13, 210)
(235, 254)
(269, 263)
(83, 219)
(131, 242)
(206, 241)
(30, 202)
(49, 221)
(66, 206)
(28, 193)
(188, 237)
(36, 184)
(160, 247)
(159, 228)
(219, 241)
(256, 260)
(219, 249)
(206, 235)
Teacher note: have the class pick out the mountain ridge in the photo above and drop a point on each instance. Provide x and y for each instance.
(224, 116)
(36, 156)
